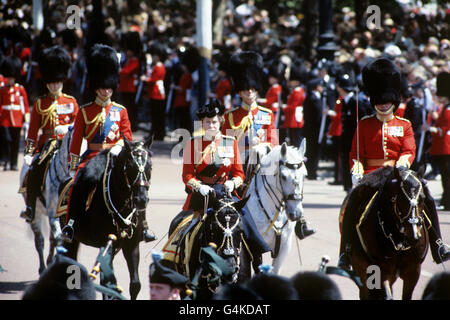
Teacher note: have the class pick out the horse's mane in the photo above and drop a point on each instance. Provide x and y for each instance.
(94, 169)
(378, 177)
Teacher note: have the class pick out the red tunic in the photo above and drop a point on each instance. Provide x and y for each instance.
(235, 126)
(440, 141)
(293, 113)
(48, 113)
(400, 110)
(388, 141)
(13, 106)
(155, 88)
(336, 120)
(181, 99)
(272, 97)
(88, 123)
(128, 75)
(223, 89)
(201, 154)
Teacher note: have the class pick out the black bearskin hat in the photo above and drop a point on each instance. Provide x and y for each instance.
(159, 49)
(298, 72)
(191, 59)
(277, 70)
(69, 38)
(54, 64)
(246, 70)
(10, 67)
(132, 41)
(103, 67)
(215, 108)
(382, 80)
(443, 84)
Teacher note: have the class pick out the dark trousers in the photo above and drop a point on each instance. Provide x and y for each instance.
(443, 163)
(127, 100)
(337, 158)
(312, 153)
(10, 141)
(158, 111)
(346, 175)
(182, 118)
(295, 136)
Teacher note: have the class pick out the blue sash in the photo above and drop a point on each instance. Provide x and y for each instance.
(256, 125)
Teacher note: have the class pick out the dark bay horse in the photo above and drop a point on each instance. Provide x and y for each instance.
(221, 225)
(391, 237)
(109, 196)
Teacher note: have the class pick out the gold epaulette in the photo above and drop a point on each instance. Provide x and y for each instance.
(400, 118)
(118, 105)
(367, 117)
(264, 109)
(68, 96)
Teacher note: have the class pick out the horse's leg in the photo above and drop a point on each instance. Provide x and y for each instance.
(72, 249)
(410, 275)
(38, 241)
(360, 266)
(245, 271)
(131, 254)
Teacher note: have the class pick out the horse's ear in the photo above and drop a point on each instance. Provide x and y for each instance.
(302, 148)
(126, 144)
(241, 204)
(283, 150)
(421, 171)
(148, 143)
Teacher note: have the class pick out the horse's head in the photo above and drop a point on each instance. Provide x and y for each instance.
(137, 166)
(224, 228)
(406, 194)
(289, 172)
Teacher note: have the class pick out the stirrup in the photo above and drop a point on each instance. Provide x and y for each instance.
(443, 252)
(149, 237)
(302, 231)
(27, 214)
(67, 232)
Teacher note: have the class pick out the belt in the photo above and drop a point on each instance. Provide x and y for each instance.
(380, 162)
(48, 131)
(212, 180)
(100, 146)
(12, 107)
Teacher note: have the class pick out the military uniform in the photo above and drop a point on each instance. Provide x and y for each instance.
(293, 115)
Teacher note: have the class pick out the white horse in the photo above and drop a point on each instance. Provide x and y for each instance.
(57, 173)
(276, 195)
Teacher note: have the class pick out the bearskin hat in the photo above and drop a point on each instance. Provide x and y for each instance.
(382, 80)
(298, 72)
(132, 41)
(191, 59)
(10, 67)
(443, 84)
(159, 49)
(103, 67)
(277, 70)
(315, 286)
(69, 38)
(52, 284)
(246, 70)
(54, 64)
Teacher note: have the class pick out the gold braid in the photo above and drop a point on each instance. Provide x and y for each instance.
(49, 115)
(98, 119)
(246, 123)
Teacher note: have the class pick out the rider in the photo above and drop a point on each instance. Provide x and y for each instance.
(384, 140)
(53, 113)
(103, 123)
(250, 123)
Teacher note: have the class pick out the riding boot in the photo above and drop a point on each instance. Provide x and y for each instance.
(439, 250)
(28, 213)
(148, 237)
(344, 261)
(302, 230)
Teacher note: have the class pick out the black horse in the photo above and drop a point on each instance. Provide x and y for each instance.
(109, 196)
(389, 213)
(222, 226)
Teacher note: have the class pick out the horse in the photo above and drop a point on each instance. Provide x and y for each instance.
(391, 225)
(57, 174)
(110, 196)
(220, 226)
(275, 202)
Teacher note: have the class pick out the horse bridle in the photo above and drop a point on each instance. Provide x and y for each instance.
(140, 158)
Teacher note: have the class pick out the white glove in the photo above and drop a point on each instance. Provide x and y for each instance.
(28, 159)
(115, 150)
(61, 130)
(205, 190)
(229, 186)
(72, 173)
(356, 178)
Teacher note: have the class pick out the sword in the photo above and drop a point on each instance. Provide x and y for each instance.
(279, 110)
(323, 120)
(139, 91)
(169, 100)
(422, 134)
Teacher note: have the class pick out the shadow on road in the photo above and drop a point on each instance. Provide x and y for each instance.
(14, 287)
(321, 206)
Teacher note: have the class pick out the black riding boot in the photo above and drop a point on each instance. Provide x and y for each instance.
(28, 213)
(302, 230)
(148, 237)
(439, 251)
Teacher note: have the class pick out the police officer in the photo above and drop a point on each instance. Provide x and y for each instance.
(395, 147)
(103, 123)
(52, 113)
